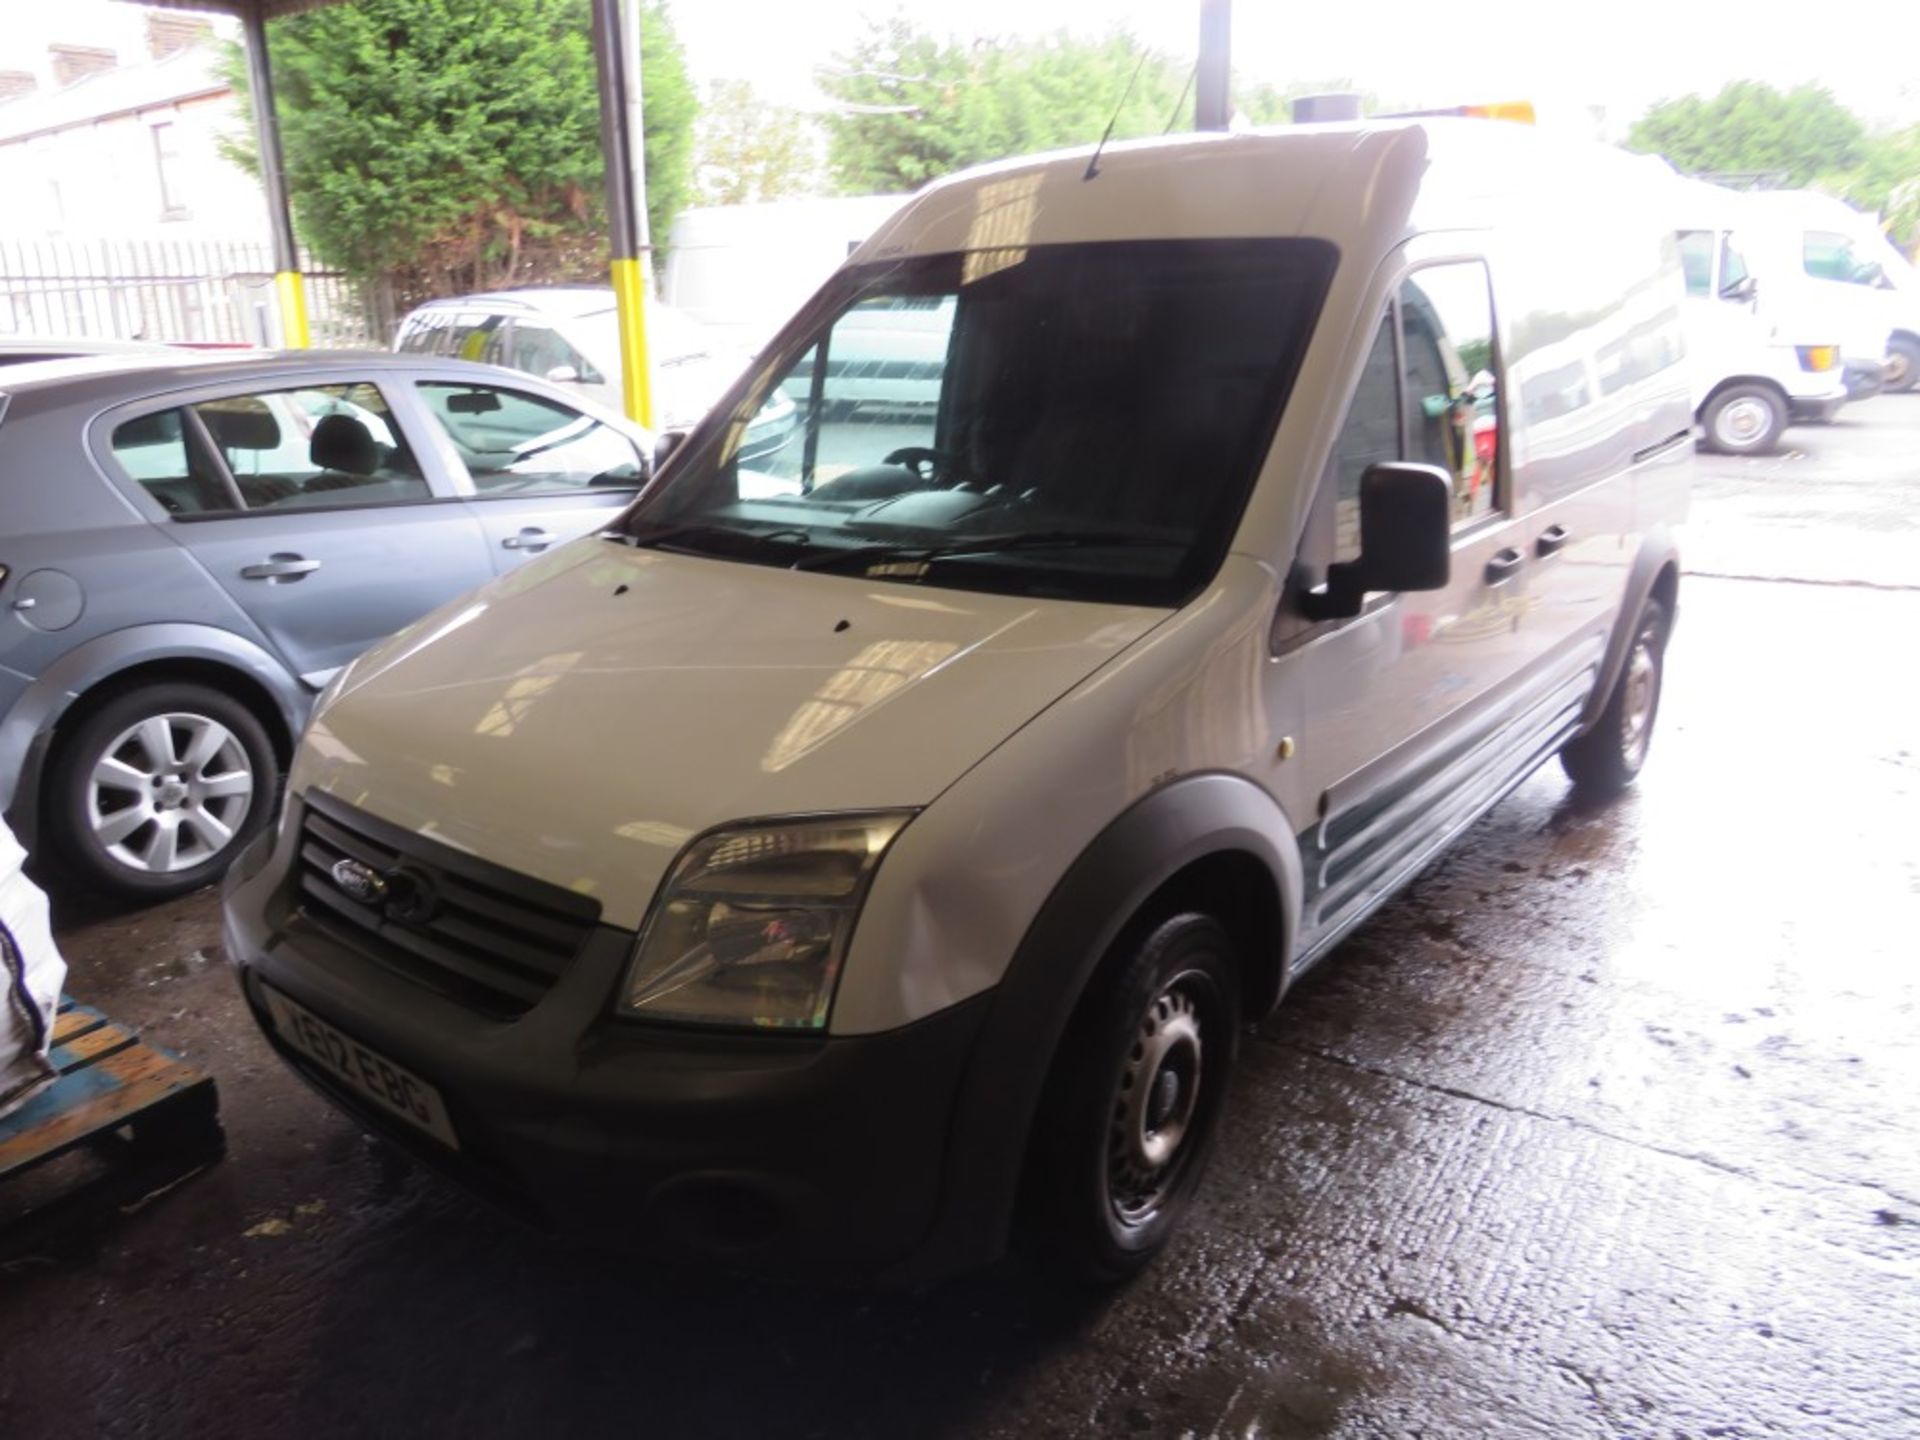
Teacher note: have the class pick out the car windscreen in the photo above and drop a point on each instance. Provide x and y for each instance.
(1078, 421)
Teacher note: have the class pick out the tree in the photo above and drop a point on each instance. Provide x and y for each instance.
(915, 107)
(448, 147)
(747, 150)
(1751, 127)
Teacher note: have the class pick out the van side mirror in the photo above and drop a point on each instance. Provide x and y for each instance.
(563, 375)
(665, 445)
(1406, 533)
(1743, 289)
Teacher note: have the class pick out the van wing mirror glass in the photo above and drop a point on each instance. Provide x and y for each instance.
(1745, 288)
(1406, 534)
(563, 375)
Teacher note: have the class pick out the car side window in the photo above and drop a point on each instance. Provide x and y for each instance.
(171, 464)
(305, 448)
(513, 443)
(318, 445)
(1449, 399)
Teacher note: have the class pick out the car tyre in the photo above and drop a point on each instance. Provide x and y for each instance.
(154, 793)
(1903, 365)
(1744, 420)
(1133, 1105)
(1609, 757)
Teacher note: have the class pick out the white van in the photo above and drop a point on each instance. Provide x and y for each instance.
(1755, 369)
(741, 270)
(828, 875)
(1834, 259)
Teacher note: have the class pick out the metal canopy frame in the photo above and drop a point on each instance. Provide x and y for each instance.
(616, 55)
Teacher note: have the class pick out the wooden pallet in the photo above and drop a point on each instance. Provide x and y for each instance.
(135, 1099)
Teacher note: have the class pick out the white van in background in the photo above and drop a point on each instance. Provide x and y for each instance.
(741, 270)
(1753, 373)
(1832, 258)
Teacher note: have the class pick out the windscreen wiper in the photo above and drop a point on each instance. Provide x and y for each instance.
(726, 536)
(908, 555)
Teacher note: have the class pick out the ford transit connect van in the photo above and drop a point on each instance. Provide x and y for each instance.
(828, 867)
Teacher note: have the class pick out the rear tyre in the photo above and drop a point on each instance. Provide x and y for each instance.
(1744, 420)
(1132, 1108)
(155, 793)
(1609, 757)
(1903, 365)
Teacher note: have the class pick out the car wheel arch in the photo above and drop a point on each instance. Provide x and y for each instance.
(93, 673)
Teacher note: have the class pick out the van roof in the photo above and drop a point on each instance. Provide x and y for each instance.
(1365, 186)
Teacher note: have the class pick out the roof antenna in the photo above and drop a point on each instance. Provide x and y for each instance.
(1093, 160)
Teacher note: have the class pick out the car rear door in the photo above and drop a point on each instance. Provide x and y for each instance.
(308, 503)
(535, 471)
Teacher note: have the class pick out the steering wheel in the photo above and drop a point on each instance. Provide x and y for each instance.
(930, 465)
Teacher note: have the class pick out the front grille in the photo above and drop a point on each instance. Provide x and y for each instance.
(492, 939)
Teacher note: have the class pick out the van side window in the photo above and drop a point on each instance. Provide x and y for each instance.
(1733, 266)
(1696, 260)
(1826, 255)
(1448, 396)
(1370, 435)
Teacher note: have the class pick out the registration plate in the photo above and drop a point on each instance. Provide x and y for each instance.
(395, 1089)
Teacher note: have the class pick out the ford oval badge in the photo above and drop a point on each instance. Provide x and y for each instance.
(360, 881)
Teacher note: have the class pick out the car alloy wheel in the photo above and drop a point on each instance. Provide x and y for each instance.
(170, 792)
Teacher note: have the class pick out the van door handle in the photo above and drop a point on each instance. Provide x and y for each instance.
(280, 568)
(1551, 539)
(532, 539)
(1504, 566)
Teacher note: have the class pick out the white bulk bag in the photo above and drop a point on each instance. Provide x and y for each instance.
(31, 974)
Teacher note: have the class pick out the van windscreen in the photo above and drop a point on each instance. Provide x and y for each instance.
(1079, 421)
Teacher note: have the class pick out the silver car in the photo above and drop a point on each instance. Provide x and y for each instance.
(189, 550)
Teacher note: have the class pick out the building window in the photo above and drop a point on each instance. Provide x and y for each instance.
(166, 162)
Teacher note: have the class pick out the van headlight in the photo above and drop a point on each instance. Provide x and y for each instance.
(752, 924)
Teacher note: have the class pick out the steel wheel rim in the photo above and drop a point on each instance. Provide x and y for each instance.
(169, 793)
(1642, 694)
(1156, 1104)
(1744, 421)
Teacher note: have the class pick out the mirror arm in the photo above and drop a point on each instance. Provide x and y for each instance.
(1341, 597)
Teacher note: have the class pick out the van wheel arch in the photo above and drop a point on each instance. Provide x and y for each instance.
(1213, 842)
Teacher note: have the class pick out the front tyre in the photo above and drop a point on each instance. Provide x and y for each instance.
(1745, 420)
(1903, 365)
(155, 793)
(1609, 757)
(1134, 1101)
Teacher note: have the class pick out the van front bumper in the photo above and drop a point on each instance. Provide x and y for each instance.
(1815, 409)
(809, 1157)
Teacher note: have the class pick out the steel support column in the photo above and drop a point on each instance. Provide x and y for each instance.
(288, 285)
(1211, 107)
(616, 53)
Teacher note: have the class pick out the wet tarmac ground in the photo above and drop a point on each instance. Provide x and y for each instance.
(1604, 1128)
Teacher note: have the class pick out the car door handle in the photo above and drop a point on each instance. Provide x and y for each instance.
(1550, 541)
(532, 538)
(1504, 566)
(277, 568)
